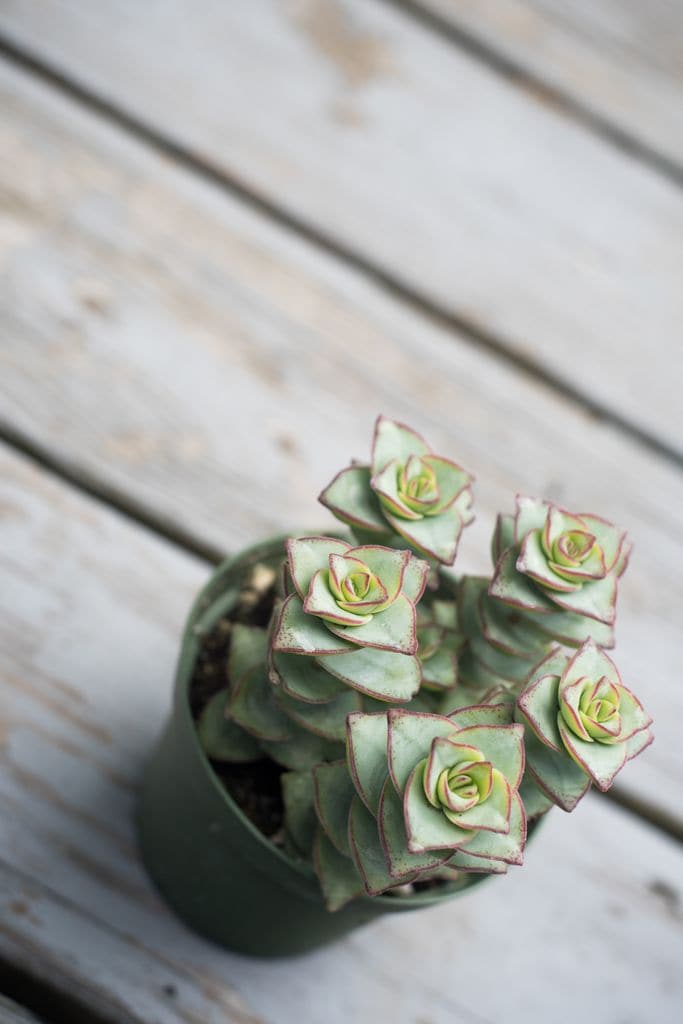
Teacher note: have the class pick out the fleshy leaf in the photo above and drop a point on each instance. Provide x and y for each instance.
(444, 754)
(415, 578)
(436, 536)
(533, 562)
(366, 746)
(611, 539)
(451, 480)
(503, 536)
(498, 846)
(298, 633)
(426, 827)
(304, 679)
(253, 707)
(556, 773)
(320, 601)
(367, 851)
(302, 750)
(478, 678)
(388, 565)
(515, 589)
(306, 555)
(248, 647)
(538, 705)
(384, 675)
(440, 671)
(589, 663)
(534, 799)
(570, 628)
(502, 666)
(338, 877)
(634, 717)
(409, 741)
(492, 814)
(401, 862)
(300, 817)
(326, 720)
(444, 613)
(637, 743)
(596, 599)
(334, 790)
(464, 506)
(512, 668)
(503, 746)
(390, 630)
(464, 861)
(508, 629)
(394, 440)
(483, 714)
(221, 738)
(350, 498)
(602, 761)
(385, 485)
(530, 514)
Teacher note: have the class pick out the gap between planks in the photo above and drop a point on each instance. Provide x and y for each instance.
(430, 308)
(38, 996)
(521, 76)
(61, 996)
(137, 512)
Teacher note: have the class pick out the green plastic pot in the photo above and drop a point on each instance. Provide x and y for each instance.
(213, 866)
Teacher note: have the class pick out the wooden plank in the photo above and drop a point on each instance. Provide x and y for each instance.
(619, 60)
(390, 142)
(12, 1013)
(168, 342)
(88, 633)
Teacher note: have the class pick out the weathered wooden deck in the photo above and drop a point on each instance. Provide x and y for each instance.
(229, 235)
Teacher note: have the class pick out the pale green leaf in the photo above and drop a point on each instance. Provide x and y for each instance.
(384, 675)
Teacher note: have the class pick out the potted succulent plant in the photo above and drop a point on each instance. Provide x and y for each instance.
(356, 731)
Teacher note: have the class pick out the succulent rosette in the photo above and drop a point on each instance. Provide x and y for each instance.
(407, 490)
(550, 559)
(428, 792)
(352, 611)
(583, 723)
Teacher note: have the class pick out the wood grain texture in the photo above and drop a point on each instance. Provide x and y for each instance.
(392, 143)
(169, 342)
(89, 623)
(621, 60)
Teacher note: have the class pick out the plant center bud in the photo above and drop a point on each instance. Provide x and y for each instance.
(464, 785)
(356, 585)
(417, 484)
(597, 717)
(573, 547)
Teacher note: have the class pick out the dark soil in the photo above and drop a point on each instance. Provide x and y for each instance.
(255, 787)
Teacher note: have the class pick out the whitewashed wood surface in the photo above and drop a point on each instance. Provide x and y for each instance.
(620, 60)
(205, 355)
(165, 342)
(387, 139)
(91, 610)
